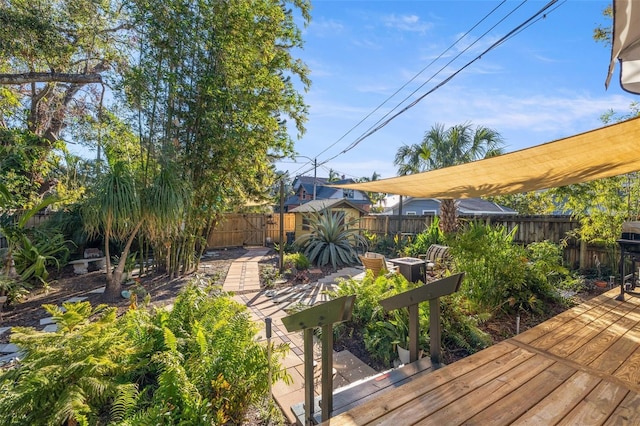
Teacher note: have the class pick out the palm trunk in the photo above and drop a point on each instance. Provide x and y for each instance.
(448, 216)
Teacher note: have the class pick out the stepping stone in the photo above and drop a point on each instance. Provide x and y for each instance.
(8, 348)
(75, 299)
(99, 290)
(51, 328)
(4, 330)
(48, 320)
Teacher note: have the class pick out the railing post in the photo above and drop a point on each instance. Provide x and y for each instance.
(323, 315)
(435, 333)
(411, 298)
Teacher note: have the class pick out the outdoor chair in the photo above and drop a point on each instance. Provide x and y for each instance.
(376, 263)
(437, 255)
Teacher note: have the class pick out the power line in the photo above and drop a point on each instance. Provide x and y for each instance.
(451, 46)
(530, 21)
(411, 80)
(446, 80)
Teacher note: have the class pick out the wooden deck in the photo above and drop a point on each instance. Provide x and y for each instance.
(581, 367)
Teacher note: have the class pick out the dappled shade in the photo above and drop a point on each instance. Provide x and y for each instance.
(609, 151)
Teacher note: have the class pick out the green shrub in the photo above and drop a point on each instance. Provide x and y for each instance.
(460, 327)
(269, 275)
(499, 276)
(331, 240)
(14, 289)
(35, 253)
(296, 260)
(382, 330)
(198, 364)
(421, 242)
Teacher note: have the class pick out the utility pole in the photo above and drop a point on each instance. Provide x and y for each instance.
(315, 180)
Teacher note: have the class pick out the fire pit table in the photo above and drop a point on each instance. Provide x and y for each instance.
(412, 268)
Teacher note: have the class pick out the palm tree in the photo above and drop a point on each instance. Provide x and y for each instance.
(377, 198)
(441, 148)
(333, 176)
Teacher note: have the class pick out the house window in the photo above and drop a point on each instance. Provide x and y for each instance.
(347, 193)
(305, 223)
(411, 213)
(428, 212)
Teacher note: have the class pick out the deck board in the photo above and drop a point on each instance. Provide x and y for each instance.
(581, 367)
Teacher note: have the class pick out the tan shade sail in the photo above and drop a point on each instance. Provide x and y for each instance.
(600, 153)
(625, 46)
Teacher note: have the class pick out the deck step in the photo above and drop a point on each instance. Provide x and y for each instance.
(363, 390)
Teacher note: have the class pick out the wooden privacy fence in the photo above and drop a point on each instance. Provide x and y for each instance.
(258, 229)
(251, 229)
(530, 229)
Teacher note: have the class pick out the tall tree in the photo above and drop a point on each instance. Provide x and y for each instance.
(54, 53)
(213, 89)
(441, 148)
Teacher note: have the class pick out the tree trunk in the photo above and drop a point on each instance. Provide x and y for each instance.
(448, 216)
(114, 282)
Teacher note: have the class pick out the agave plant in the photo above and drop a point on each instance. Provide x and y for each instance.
(332, 239)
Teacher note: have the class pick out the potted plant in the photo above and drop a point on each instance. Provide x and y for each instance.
(397, 328)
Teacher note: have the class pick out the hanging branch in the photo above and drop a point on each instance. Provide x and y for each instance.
(48, 77)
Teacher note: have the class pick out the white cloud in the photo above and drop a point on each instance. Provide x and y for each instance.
(410, 23)
(325, 28)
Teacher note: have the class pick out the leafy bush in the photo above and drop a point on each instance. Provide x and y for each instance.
(382, 330)
(34, 254)
(499, 275)
(332, 239)
(14, 289)
(198, 364)
(421, 242)
(269, 275)
(461, 330)
(368, 315)
(296, 260)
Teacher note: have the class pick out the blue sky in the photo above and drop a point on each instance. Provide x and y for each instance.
(543, 84)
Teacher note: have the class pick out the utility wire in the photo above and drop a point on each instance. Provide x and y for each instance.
(405, 85)
(446, 80)
(537, 16)
(412, 79)
(353, 144)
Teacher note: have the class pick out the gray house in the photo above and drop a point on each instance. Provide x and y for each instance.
(431, 206)
(305, 187)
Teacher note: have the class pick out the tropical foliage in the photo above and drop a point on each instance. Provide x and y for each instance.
(332, 239)
(441, 148)
(381, 331)
(198, 364)
(168, 89)
(420, 243)
(501, 275)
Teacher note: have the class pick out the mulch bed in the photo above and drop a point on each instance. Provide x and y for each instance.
(65, 284)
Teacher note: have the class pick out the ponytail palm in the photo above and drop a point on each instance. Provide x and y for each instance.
(118, 210)
(115, 210)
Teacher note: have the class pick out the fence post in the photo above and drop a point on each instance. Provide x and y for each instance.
(583, 254)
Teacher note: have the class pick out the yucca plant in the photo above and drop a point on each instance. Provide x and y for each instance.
(332, 239)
